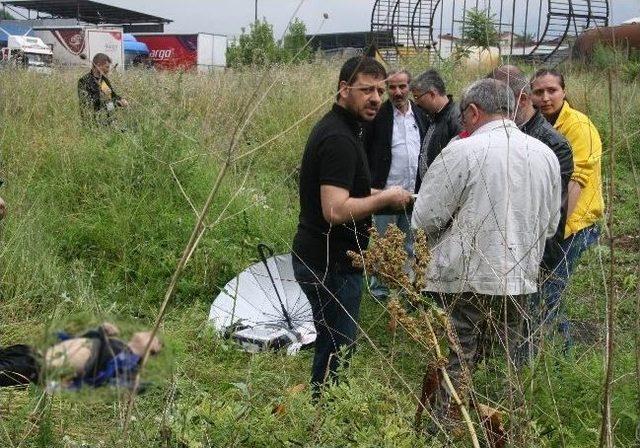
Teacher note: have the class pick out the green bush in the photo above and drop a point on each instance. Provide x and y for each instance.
(259, 47)
(617, 59)
(479, 29)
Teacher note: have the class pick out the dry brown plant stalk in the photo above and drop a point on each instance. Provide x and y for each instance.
(606, 428)
(386, 259)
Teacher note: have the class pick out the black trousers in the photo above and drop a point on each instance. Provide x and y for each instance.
(335, 303)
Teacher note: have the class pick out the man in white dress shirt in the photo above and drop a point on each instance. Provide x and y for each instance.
(393, 145)
(487, 204)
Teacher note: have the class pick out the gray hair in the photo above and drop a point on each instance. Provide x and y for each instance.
(514, 78)
(429, 80)
(491, 96)
(400, 71)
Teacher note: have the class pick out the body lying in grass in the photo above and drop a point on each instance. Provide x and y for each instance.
(98, 357)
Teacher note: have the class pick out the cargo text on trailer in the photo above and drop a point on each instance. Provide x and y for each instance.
(202, 51)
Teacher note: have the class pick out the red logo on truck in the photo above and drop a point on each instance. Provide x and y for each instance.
(172, 51)
(71, 38)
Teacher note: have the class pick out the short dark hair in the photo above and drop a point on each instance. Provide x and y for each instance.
(101, 58)
(360, 64)
(429, 80)
(549, 71)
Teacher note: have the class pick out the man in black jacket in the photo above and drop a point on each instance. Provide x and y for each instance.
(393, 143)
(430, 93)
(532, 123)
(97, 97)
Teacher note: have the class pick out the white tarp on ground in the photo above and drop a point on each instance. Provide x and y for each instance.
(251, 299)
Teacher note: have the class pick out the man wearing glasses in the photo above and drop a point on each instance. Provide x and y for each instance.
(393, 144)
(488, 203)
(336, 204)
(430, 93)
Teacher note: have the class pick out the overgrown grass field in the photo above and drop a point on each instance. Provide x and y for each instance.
(98, 219)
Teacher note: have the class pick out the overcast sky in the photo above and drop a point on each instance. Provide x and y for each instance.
(229, 16)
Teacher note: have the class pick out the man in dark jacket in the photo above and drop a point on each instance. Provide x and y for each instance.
(393, 143)
(532, 123)
(430, 93)
(97, 97)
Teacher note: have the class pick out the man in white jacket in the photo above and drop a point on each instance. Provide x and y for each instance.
(487, 204)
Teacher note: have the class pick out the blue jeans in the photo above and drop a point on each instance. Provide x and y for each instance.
(555, 282)
(335, 303)
(403, 221)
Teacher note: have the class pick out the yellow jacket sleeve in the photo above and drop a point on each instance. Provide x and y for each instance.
(587, 154)
(587, 149)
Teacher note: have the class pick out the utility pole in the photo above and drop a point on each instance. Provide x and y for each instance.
(255, 9)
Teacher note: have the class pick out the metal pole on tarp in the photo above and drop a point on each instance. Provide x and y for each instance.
(262, 248)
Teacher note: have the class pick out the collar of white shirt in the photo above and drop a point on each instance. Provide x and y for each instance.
(397, 113)
(493, 125)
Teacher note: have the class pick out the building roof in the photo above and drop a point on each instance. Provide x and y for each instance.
(86, 11)
(13, 29)
(357, 39)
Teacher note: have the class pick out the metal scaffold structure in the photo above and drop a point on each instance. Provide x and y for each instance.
(538, 30)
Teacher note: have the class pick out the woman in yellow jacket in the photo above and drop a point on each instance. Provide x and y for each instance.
(586, 204)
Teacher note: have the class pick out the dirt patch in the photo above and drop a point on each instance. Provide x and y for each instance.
(630, 243)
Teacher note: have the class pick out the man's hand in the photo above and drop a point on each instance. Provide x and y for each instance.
(122, 102)
(397, 197)
(3, 209)
(338, 207)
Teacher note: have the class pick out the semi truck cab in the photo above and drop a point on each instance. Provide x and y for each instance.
(28, 52)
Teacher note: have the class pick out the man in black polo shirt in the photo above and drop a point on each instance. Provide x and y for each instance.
(336, 204)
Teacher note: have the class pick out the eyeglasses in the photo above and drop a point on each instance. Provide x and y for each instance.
(417, 97)
(463, 110)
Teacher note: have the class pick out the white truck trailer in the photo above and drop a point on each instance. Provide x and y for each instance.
(78, 45)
